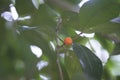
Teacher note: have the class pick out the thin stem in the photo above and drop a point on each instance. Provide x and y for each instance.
(77, 36)
(58, 27)
(60, 39)
(59, 67)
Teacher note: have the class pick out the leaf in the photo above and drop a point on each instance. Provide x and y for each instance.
(114, 65)
(13, 1)
(45, 16)
(51, 71)
(91, 64)
(116, 20)
(116, 50)
(102, 12)
(106, 28)
(36, 38)
(36, 3)
(92, 14)
(74, 1)
(73, 67)
(65, 5)
(105, 42)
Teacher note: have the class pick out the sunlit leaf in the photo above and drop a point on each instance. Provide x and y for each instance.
(106, 43)
(36, 3)
(113, 66)
(73, 69)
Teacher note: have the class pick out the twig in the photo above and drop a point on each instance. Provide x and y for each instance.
(58, 27)
(59, 67)
(77, 36)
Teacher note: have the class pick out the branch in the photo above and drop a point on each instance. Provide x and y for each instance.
(77, 36)
(58, 27)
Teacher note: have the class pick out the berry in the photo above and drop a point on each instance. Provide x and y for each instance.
(68, 41)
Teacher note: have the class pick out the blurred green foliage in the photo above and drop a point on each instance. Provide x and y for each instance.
(45, 23)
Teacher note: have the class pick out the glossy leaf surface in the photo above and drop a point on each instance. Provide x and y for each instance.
(91, 64)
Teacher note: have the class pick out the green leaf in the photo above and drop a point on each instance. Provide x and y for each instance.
(51, 71)
(116, 50)
(73, 69)
(101, 13)
(74, 1)
(105, 42)
(13, 1)
(36, 38)
(45, 20)
(107, 28)
(36, 3)
(91, 64)
(113, 66)
(65, 5)
(92, 14)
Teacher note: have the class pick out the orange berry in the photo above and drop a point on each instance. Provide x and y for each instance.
(68, 41)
